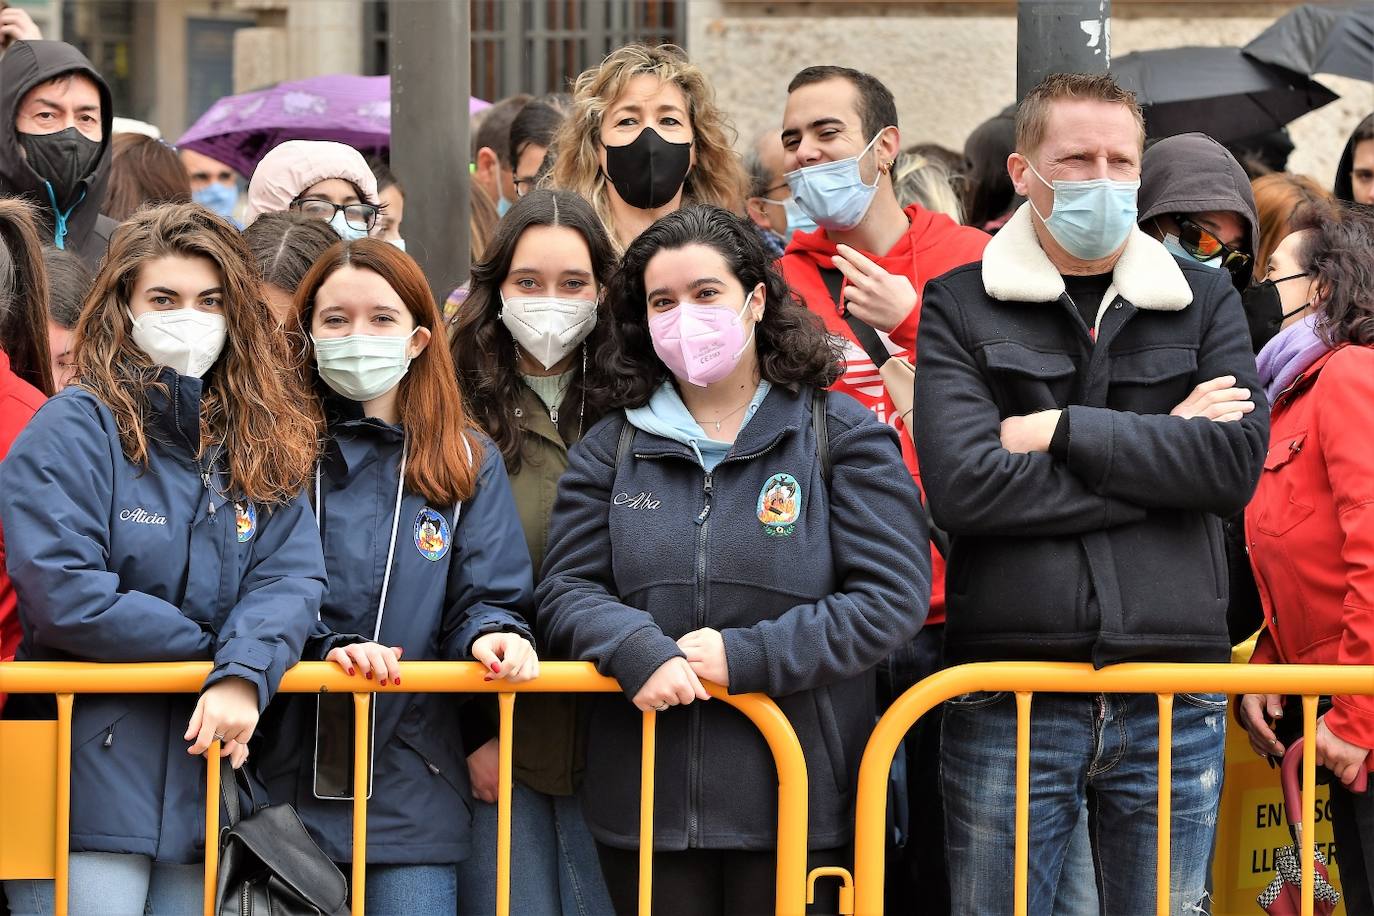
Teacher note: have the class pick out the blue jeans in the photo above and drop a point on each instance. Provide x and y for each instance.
(114, 884)
(410, 890)
(1101, 748)
(554, 866)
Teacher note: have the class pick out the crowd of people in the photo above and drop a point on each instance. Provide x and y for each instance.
(675, 424)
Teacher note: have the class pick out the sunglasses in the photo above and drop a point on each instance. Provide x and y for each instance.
(1202, 245)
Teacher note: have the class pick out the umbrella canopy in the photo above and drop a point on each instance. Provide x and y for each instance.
(1216, 90)
(1320, 39)
(238, 130)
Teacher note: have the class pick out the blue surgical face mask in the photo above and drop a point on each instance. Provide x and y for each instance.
(345, 231)
(797, 219)
(1091, 218)
(1171, 242)
(219, 199)
(833, 193)
(502, 206)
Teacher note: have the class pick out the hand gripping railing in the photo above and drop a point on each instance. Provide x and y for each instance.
(65, 679)
(1027, 678)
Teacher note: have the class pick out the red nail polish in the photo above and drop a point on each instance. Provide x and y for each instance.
(351, 672)
(488, 678)
(383, 682)
(398, 680)
(495, 668)
(369, 675)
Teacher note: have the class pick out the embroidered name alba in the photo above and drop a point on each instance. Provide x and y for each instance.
(142, 517)
(638, 501)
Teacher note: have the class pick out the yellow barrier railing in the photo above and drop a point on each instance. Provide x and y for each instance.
(67, 679)
(1027, 678)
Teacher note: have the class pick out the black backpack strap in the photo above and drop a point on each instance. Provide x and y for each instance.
(821, 425)
(863, 333)
(627, 439)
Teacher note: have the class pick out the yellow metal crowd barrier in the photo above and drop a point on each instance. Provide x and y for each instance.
(1025, 679)
(36, 806)
(33, 832)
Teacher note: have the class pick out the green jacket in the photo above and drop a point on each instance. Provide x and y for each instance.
(548, 755)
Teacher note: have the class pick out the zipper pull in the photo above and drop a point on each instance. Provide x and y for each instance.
(212, 507)
(553, 415)
(109, 737)
(706, 510)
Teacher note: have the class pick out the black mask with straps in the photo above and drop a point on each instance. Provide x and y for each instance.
(1264, 309)
(649, 172)
(63, 159)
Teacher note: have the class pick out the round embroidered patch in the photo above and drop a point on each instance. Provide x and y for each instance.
(245, 521)
(780, 503)
(432, 536)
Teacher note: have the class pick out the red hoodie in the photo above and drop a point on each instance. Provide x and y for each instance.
(19, 401)
(932, 245)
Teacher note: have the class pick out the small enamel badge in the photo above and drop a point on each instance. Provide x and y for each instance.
(432, 536)
(245, 521)
(780, 503)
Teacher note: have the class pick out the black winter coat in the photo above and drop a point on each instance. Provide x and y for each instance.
(1110, 549)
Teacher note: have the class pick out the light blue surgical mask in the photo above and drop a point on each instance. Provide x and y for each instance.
(502, 206)
(833, 193)
(1091, 218)
(345, 231)
(219, 199)
(1177, 250)
(797, 219)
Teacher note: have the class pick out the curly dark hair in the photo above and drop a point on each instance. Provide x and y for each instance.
(1338, 254)
(484, 351)
(793, 346)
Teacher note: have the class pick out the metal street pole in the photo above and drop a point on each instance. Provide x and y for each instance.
(1060, 36)
(430, 86)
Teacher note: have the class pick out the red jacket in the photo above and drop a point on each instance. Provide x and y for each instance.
(18, 402)
(1310, 529)
(933, 244)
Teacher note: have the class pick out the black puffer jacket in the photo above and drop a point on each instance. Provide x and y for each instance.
(1110, 550)
(25, 65)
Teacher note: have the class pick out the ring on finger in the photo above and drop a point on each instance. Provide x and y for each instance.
(219, 737)
(662, 707)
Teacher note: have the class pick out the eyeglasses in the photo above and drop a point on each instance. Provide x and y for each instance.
(524, 186)
(359, 216)
(1202, 245)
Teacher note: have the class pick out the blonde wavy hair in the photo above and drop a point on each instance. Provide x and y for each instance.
(717, 178)
(252, 402)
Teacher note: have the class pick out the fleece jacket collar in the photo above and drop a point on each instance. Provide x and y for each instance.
(1016, 269)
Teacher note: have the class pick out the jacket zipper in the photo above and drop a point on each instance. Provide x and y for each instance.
(703, 527)
(694, 741)
(246, 899)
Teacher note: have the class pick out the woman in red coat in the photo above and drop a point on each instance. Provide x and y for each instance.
(25, 363)
(1310, 526)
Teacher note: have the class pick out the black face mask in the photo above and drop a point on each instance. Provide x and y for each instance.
(1264, 310)
(649, 172)
(62, 159)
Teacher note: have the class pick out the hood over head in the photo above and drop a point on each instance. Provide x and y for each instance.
(291, 167)
(1344, 186)
(1192, 173)
(25, 65)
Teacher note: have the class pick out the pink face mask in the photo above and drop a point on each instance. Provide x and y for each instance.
(700, 343)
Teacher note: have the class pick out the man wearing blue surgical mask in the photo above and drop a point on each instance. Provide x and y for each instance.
(862, 271)
(1196, 199)
(770, 205)
(1084, 416)
(214, 185)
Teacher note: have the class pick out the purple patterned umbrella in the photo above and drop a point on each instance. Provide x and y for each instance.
(239, 129)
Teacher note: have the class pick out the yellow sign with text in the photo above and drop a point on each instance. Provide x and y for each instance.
(1252, 824)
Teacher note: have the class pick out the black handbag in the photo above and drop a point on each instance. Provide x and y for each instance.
(269, 864)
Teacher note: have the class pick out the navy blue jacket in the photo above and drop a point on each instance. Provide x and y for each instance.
(449, 585)
(115, 564)
(810, 590)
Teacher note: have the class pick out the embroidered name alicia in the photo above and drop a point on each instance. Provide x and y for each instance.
(638, 501)
(142, 517)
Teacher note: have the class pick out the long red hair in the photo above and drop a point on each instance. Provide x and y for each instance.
(443, 454)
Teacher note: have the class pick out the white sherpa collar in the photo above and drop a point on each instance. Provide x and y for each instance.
(1016, 269)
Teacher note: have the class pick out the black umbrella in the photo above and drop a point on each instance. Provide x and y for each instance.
(1320, 39)
(1218, 91)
